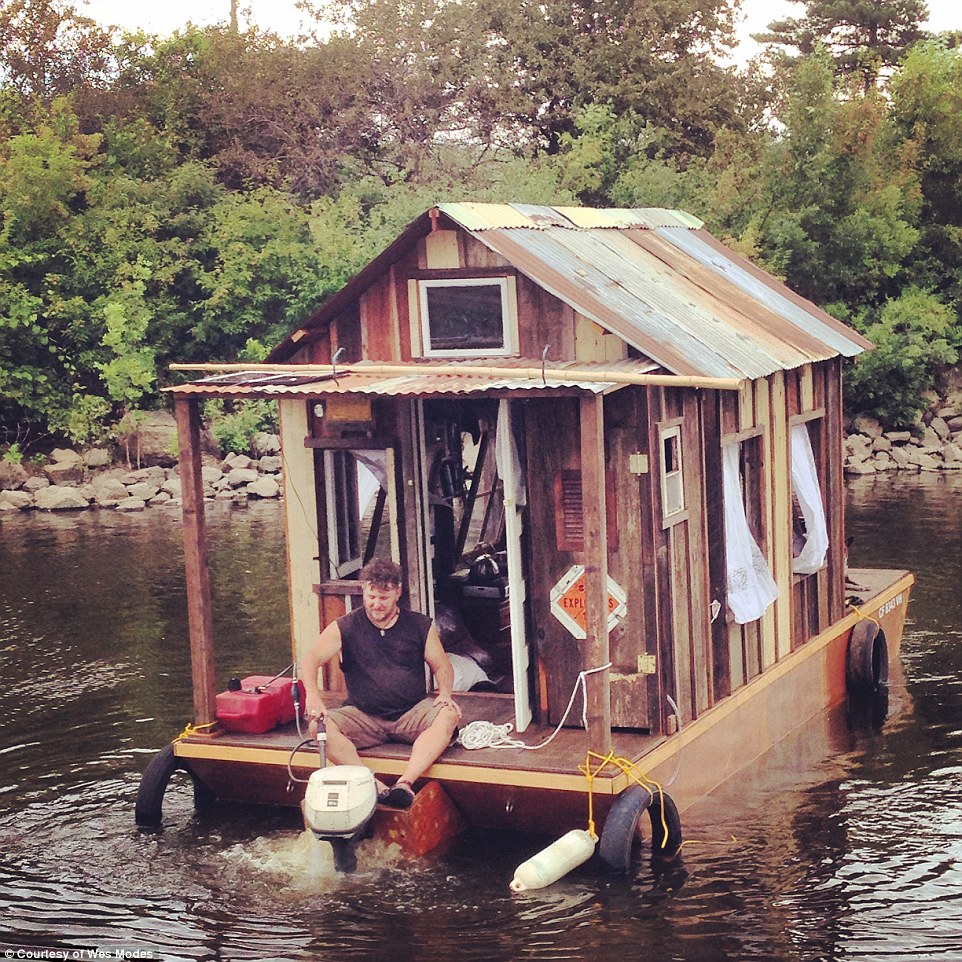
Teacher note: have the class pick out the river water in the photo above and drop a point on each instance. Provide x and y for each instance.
(845, 843)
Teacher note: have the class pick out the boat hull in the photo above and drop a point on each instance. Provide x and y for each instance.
(518, 795)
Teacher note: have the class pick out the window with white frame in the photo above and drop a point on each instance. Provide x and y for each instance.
(672, 478)
(467, 317)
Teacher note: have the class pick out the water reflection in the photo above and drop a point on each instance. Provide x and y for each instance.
(844, 843)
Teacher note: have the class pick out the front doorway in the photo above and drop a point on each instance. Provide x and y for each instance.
(474, 508)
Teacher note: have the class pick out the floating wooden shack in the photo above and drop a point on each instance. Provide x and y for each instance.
(607, 452)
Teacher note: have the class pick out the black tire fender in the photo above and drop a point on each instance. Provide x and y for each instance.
(867, 658)
(621, 826)
(153, 785)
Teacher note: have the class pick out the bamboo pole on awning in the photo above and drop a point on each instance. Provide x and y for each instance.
(590, 376)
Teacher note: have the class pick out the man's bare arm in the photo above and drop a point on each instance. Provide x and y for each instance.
(327, 646)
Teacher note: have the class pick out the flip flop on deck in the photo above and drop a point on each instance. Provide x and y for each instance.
(400, 795)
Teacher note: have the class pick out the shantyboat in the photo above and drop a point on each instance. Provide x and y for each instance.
(607, 452)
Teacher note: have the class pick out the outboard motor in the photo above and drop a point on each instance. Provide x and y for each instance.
(338, 804)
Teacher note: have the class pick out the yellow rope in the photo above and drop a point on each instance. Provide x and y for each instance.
(193, 730)
(864, 616)
(590, 775)
(629, 769)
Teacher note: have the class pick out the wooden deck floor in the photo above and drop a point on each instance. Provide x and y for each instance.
(562, 756)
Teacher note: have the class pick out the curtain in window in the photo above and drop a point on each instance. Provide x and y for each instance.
(751, 588)
(809, 495)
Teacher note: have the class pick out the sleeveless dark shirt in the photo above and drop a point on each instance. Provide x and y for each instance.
(385, 674)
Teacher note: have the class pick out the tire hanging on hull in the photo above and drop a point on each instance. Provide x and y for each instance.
(621, 825)
(153, 785)
(867, 658)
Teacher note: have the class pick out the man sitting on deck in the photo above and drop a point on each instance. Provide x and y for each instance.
(383, 649)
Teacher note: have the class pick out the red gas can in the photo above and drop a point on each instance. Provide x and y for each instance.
(262, 703)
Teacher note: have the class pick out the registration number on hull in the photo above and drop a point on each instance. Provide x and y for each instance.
(890, 605)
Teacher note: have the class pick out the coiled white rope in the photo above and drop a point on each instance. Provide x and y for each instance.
(485, 734)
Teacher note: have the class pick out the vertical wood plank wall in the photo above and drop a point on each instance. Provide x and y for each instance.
(300, 498)
(781, 533)
(552, 444)
(591, 431)
(629, 559)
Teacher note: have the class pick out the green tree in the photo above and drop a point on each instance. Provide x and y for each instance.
(43, 182)
(551, 59)
(927, 118)
(914, 336)
(837, 218)
(864, 37)
(48, 49)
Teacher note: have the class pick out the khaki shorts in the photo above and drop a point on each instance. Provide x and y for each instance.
(366, 731)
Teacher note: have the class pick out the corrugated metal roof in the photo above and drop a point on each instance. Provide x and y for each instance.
(682, 298)
(358, 379)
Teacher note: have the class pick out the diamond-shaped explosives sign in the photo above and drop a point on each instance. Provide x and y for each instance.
(568, 602)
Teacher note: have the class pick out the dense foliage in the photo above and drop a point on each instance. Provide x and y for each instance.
(192, 197)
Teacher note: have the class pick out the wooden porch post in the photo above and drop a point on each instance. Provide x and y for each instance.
(187, 413)
(596, 570)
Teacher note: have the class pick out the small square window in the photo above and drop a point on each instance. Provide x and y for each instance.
(672, 479)
(465, 316)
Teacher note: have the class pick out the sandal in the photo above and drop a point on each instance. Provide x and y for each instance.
(400, 795)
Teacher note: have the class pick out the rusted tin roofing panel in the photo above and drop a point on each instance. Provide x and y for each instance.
(579, 270)
(626, 217)
(473, 216)
(676, 308)
(665, 286)
(750, 319)
(776, 296)
(354, 379)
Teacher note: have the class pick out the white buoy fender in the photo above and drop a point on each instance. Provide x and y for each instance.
(558, 859)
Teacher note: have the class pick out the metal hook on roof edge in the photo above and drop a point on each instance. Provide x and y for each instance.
(337, 354)
(544, 358)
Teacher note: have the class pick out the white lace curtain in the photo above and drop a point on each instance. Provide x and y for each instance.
(751, 587)
(805, 485)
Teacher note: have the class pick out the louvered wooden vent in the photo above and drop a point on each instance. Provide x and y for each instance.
(569, 512)
(569, 520)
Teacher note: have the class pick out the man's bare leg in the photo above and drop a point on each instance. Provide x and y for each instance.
(342, 751)
(429, 744)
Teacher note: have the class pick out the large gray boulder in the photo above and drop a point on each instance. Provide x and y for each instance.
(152, 441)
(240, 476)
(15, 500)
(59, 498)
(97, 458)
(65, 456)
(12, 475)
(34, 484)
(109, 492)
(264, 487)
(266, 443)
(64, 472)
(867, 425)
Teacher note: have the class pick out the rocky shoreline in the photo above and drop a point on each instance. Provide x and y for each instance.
(73, 481)
(935, 444)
